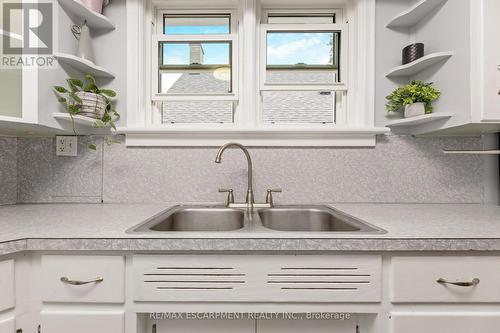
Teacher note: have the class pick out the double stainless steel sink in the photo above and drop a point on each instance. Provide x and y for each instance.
(279, 218)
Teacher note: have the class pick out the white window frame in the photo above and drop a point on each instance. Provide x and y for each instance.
(340, 86)
(338, 117)
(159, 37)
(356, 128)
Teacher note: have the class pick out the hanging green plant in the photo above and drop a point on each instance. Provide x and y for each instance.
(85, 98)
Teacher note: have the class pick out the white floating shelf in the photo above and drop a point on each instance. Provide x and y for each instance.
(80, 120)
(414, 14)
(472, 152)
(419, 65)
(94, 20)
(413, 121)
(83, 65)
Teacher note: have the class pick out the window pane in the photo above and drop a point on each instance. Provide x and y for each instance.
(208, 81)
(180, 53)
(299, 106)
(302, 48)
(197, 112)
(290, 59)
(196, 24)
(195, 68)
(300, 19)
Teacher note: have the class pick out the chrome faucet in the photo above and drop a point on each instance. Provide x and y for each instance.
(250, 200)
(218, 159)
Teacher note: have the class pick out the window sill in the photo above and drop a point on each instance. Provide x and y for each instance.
(275, 137)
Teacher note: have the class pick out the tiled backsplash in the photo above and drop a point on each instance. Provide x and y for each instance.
(398, 169)
(8, 171)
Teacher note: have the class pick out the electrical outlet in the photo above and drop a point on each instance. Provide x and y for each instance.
(66, 145)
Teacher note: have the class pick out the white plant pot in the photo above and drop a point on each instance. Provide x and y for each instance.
(93, 105)
(415, 109)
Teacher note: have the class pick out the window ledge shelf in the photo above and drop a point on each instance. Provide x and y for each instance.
(275, 137)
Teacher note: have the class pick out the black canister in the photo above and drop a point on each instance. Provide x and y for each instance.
(413, 52)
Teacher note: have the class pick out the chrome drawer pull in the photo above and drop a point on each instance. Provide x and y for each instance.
(79, 283)
(472, 283)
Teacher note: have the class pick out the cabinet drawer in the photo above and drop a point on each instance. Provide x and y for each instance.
(83, 269)
(82, 321)
(7, 285)
(414, 279)
(444, 322)
(7, 325)
(258, 278)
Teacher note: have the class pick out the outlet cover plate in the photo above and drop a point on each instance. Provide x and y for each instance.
(66, 145)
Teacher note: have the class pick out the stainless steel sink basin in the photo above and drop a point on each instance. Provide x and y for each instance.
(320, 219)
(195, 219)
(312, 219)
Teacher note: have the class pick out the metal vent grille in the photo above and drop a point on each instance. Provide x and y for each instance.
(257, 278)
(194, 278)
(319, 278)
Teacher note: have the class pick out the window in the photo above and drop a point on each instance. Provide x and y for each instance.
(195, 68)
(302, 57)
(260, 72)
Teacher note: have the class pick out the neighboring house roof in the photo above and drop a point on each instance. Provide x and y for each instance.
(198, 83)
(278, 106)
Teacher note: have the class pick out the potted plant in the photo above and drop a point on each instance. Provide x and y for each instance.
(85, 98)
(416, 98)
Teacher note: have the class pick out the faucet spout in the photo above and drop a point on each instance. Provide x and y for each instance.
(218, 159)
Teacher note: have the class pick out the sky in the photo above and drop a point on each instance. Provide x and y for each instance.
(283, 48)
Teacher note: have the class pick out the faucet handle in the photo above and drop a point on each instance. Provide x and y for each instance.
(230, 195)
(269, 196)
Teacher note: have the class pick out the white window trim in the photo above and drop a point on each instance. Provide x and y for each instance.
(265, 13)
(357, 129)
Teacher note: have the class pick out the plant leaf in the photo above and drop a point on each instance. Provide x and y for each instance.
(98, 124)
(91, 87)
(108, 92)
(76, 82)
(92, 146)
(60, 89)
(90, 78)
(76, 98)
(73, 109)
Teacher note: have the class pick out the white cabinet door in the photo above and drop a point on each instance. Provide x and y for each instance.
(445, 323)
(107, 271)
(7, 285)
(414, 279)
(491, 21)
(7, 326)
(301, 326)
(205, 326)
(82, 321)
